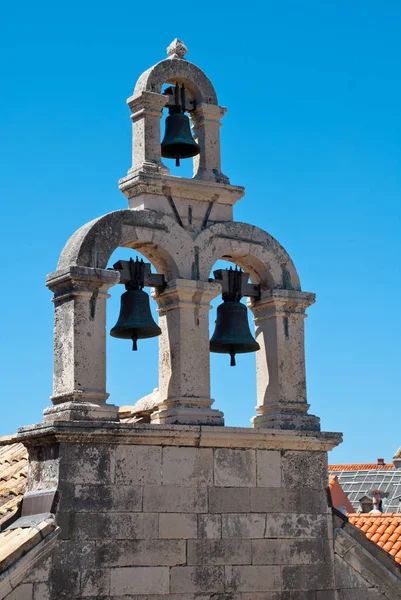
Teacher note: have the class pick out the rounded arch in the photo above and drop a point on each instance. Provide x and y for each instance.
(173, 70)
(167, 245)
(252, 249)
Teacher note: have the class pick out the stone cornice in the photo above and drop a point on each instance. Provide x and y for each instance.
(177, 435)
(135, 184)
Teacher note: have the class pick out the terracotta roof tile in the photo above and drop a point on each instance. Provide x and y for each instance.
(14, 543)
(384, 529)
(13, 474)
(362, 467)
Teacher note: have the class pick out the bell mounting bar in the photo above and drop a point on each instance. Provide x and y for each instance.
(225, 277)
(136, 274)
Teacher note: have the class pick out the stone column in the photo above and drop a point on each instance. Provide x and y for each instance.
(79, 375)
(206, 126)
(184, 358)
(146, 114)
(280, 362)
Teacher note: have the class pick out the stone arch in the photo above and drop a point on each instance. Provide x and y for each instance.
(172, 70)
(251, 248)
(145, 231)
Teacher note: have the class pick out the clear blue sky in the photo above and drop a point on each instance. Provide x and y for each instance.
(313, 131)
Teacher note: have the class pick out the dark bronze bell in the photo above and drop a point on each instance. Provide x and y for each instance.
(232, 334)
(135, 321)
(178, 141)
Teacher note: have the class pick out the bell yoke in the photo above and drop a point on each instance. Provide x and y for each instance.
(182, 226)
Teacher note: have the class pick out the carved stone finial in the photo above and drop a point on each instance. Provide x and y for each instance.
(177, 49)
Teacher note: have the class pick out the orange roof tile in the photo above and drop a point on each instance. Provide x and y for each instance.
(13, 474)
(384, 529)
(339, 498)
(362, 467)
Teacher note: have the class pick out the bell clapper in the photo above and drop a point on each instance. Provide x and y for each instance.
(134, 344)
(177, 162)
(232, 361)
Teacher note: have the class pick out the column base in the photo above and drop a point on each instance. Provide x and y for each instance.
(289, 415)
(187, 411)
(81, 411)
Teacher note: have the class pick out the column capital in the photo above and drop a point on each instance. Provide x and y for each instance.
(208, 112)
(187, 293)
(281, 303)
(77, 280)
(148, 103)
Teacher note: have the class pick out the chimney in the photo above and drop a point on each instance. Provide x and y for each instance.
(380, 462)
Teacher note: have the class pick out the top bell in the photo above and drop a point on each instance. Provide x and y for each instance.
(178, 141)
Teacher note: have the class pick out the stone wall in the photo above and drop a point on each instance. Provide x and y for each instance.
(179, 520)
(168, 513)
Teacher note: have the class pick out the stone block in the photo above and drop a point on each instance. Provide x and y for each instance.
(41, 591)
(98, 498)
(362, 594)
(345, 576)
(326, 595)
(234, 468)
(230, 500)
(304, 469)
(137, 465)
(87, 463)
(278, 596)
(24, 591)
(252, 578)
(174, 499)
(40, 573)
(139, 580)
(188, 466)
(119, 526)
(243, 525)
(290, 551)
(286, 500)
(140, 553)
(177, 526)
(65, 582)
(296, 526)
(308, 577)
(219, 552)
(209, 526)
(71, 555)
(95, 582)
(268, 468)
(196, 579)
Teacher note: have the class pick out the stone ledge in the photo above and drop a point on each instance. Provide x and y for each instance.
(177, 435)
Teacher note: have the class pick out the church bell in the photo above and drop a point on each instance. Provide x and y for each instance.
(135, 321)
(178, 141)
(232, 334)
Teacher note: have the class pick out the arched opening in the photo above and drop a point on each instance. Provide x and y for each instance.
(186, 167)
(130, 375)
(232, 388)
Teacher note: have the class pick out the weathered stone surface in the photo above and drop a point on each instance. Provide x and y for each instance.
(22, 592)
(284, 500)
(83, 463)
(136, 465)
(230, 500)
(119, 526)
(92, 498)
(219, 552)
(144, 553)
(95, 582)
(40, 573)
(290, 552)
(196, 579)
(139, 580)
(80, 554)
(296, 525)
(209, 526)
(268, 468)
(305, 469)
(174, 499)
(41, 591)
(188, 466)
(234, 468)
(178, 526)
(308, 577)
(253, 579)
(243, 525)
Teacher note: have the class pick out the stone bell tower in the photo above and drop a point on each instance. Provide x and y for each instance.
(182, 505)
(183, 226)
